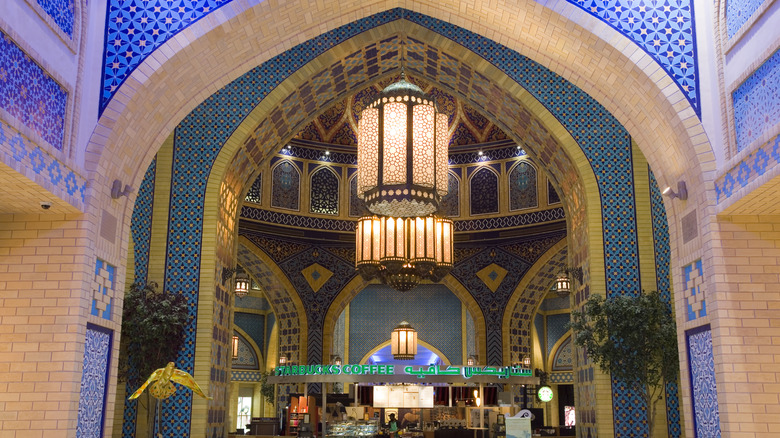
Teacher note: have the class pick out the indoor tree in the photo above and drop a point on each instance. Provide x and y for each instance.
(153, 325)
(632, 338)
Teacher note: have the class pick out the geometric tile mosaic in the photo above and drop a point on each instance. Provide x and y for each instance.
(492, 275)
(30, 95)
(31, 158)
(92, 399)
(561, 377)
(695, 301)
(141, 223)
(757, 102)
(663, 282)
(556, 328)
(563, 358)
(738, 12)
(61, 11)
(706, 417)
(103, 290)
(465, 225)
(763, 158)
(664, 29)
(135, 28)
(316, 276)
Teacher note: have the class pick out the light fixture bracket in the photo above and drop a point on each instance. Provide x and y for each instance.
(681, 193)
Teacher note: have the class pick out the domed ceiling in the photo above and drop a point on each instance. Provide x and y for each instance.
(338, 124)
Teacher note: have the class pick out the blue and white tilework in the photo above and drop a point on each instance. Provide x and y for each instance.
(706, 417)
(30, 95)
(103, 290)
(749, 169)
(92, 399)
(61, 11)
(695, 300)
(757, 103)
(135, 28)
(141, 223)
(662, 28)
(738, 12)
(662, 267)
(29, 158)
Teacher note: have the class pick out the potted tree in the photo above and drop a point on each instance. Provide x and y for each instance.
(632, 338)
(153, 324)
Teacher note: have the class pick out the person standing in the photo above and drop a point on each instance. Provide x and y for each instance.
(392, 423)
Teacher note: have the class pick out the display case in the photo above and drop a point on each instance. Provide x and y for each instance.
(353, 429)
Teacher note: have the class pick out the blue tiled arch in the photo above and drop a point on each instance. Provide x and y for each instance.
(609, 153)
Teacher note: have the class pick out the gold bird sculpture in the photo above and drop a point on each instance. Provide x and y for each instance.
(162, 383)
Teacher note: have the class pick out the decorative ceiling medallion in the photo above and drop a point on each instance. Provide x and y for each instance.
(492, 275)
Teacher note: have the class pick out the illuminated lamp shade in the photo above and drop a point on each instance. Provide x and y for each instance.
(402, 152)
(403, 252)
(562, 284)
(241, 284)
(403, 342)
(235, 346)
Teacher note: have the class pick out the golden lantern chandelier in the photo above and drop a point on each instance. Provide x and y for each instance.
(402, 252)
(403, 342)
(402, 174)
(402, 152)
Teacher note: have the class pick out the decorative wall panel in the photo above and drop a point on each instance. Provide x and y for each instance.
(432, 309)
(662, 28)
(253, 325)
(552, 195)
(135, 28)
(483, 192)
(738, 12)
(757, 103)
(556, 328)
(450, 203)
(706, 416)
(324, 192)
(522, 187)
(255, 193)
(92, 399)
(30, 95)
(29, 158)
(103, 290)
(61, 12)
(285, 186)
(693, 282)
(247, 357)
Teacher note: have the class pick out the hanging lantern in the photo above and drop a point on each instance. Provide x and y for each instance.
(563, 284)
(402, 152)
(403, 342)
(241, 284)
(402, 252)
